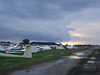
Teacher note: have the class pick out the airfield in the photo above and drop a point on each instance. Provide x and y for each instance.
(74, 64)
(45, 62)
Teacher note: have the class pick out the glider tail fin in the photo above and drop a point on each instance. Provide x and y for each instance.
(28, 51)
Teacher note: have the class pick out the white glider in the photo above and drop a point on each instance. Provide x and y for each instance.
(27, 53)
(45, 48)
(71, 47)
(34, 49)
(4, 48)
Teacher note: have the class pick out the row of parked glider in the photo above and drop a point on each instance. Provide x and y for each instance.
(35, 48)
(28, 51)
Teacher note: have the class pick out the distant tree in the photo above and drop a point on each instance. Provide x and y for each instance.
(2, 42)
(25, 41)
(8, 42)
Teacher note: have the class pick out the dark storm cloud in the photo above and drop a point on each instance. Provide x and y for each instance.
(6, 33)
(39, 19)
(43, 37)
(43, 9)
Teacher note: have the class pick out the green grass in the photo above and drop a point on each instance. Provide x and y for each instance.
(37, 55)
(17, 63)
(48, 52)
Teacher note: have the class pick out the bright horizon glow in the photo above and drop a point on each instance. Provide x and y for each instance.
(72, 43)
(63, 43)
(37, 41)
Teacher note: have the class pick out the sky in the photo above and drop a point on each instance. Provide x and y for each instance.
(66, 21)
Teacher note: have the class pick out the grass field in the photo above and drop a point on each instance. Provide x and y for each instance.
(9, 64)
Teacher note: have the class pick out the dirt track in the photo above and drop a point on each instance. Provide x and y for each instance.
(57, 67)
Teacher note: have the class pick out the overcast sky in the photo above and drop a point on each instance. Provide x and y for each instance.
(76, 21)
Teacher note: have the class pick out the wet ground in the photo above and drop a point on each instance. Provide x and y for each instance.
(90, 65)
(57, 67)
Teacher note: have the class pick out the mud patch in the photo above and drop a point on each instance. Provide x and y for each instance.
(89, 66)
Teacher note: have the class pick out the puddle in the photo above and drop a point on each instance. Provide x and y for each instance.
(96, 53)
(32, 71)
(88, 67)
(98, 62)
(37, 69)
(91, 62)
(76, 57)
(28, 72)
(79, 53)
(92, 58)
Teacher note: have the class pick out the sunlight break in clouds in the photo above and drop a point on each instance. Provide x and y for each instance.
(85, 31)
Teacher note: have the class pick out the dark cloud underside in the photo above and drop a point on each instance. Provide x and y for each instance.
(41, 19)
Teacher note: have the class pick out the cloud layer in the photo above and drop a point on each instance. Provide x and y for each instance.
(50, 20)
